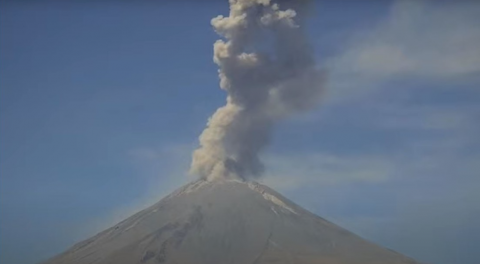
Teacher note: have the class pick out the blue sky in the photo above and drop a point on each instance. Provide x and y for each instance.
(102, 103)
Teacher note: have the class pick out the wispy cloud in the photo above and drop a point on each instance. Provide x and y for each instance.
(418, 39)
(428, 139)
(297, 170)
(426, 117)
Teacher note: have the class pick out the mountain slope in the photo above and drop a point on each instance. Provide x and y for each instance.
(222, 222)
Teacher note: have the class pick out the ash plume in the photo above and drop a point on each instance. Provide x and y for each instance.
(267, 67)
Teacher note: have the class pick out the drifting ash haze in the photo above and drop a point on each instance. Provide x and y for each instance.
(267, 68)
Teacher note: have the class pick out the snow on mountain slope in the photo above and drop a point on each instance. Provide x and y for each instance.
(226, 221)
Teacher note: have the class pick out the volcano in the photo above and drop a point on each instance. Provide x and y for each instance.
(227, 222)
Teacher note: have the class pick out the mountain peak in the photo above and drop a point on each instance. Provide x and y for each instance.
(227, 221)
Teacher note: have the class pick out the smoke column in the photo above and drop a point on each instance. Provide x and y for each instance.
(267, 68)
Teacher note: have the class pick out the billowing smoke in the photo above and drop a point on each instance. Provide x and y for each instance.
(266, 65)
